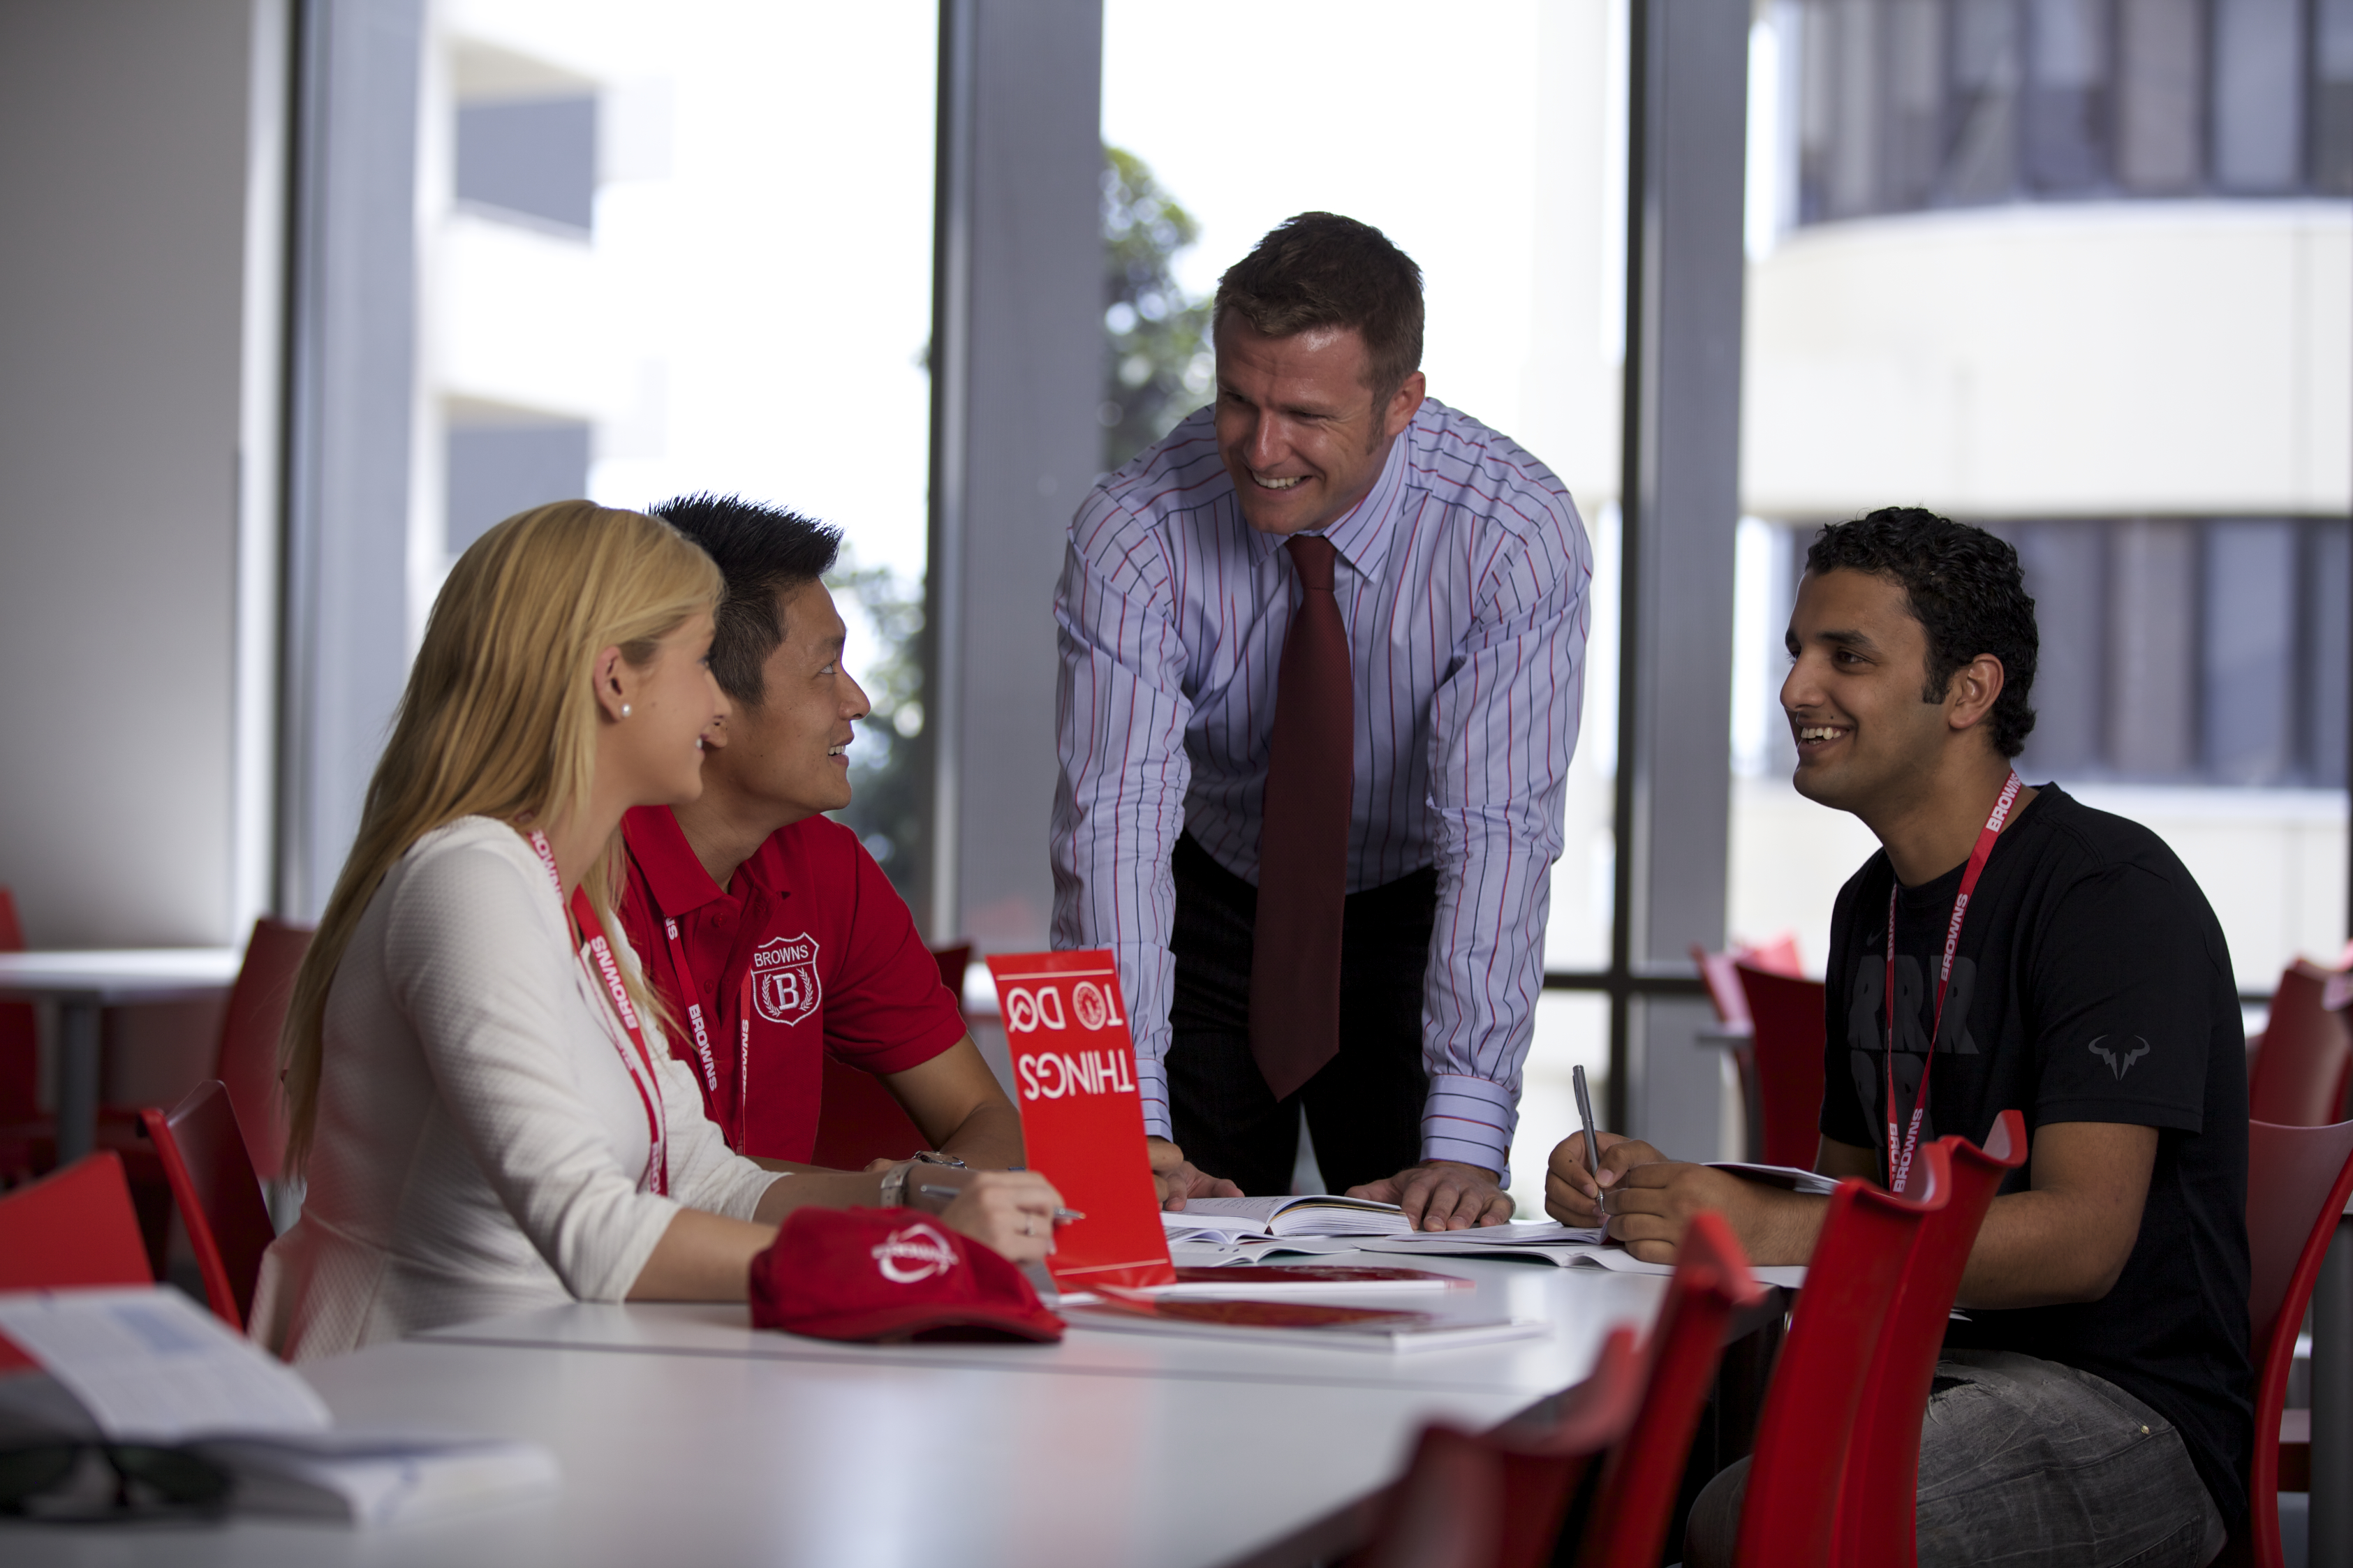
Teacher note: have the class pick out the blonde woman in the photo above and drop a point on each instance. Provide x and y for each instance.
(486, 1113)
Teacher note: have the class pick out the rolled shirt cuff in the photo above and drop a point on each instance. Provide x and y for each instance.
(1152, 1085)
(1469, 1120)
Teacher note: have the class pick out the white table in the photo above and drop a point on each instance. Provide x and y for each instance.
(80, 984)
(686, 1437)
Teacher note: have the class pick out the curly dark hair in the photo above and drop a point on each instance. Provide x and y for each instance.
(1964, 587)
(1320, 269)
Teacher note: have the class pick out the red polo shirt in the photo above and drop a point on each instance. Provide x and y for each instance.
(808, 950)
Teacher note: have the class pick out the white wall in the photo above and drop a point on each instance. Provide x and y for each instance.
(126, 142)
(2190, 358)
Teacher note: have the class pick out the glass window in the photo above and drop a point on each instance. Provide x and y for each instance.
(2066, 97)
(2065, 568)
(534, 159)
(2152, 647)
(2258, 94)
(650, 269)
(2332, 91)
(2327, 647)
(2159, 104)
(2247, 637)
(1525, 297)
(2191, 581)
(497, 468)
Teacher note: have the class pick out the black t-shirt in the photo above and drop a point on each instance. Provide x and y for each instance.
(2091, 984)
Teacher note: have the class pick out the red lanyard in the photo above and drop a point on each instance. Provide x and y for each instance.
(640, 1068)
(693, 1007)
(701, 1036)
(692, 994)
(1899, 1157)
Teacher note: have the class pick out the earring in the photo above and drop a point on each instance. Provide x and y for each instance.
(625, 710)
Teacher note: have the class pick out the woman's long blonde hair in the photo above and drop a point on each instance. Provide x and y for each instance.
(500, 719)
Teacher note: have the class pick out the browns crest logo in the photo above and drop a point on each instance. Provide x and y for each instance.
(784, 979)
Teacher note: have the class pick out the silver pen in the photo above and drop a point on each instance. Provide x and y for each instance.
(1585, 1114)
(950, 1194)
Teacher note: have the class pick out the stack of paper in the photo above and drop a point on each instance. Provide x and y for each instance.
(149, 1366)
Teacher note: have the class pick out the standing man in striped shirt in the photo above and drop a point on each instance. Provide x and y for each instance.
(1323, 660)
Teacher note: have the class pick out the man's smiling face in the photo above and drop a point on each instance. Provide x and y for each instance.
(1297, 425)
(789, 749)
(1867, 737)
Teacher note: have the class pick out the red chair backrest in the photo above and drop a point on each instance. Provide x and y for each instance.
(858, 1120)
(20, 1041)
(1447, 1510)
(2299, 1076)
(1786, 1011)
(1877, 1528)
(248, 1047)
(2298, 1179)
(218, 1197)
(76, 1227)
(1721, 973)
(1636, 1498)
(1789, 1517)
(1496, 1499)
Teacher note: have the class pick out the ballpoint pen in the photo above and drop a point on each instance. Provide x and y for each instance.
(1585, 1114)
(1061, 1217)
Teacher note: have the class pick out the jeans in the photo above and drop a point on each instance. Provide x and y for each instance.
(1363, 1107)
(2026, 1463)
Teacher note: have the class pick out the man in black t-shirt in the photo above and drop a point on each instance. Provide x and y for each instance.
(2094, 1407)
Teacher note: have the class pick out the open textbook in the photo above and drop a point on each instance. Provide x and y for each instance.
(1323, 1214)
(1563, 1248)
(149, 1366)
(1319, 1323)
(1789, 1176)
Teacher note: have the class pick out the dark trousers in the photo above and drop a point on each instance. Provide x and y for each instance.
(1364, 1109)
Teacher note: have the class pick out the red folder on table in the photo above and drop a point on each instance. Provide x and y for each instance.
(1082, 1118)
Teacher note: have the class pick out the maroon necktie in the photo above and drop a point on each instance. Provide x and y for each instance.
(1302, 846)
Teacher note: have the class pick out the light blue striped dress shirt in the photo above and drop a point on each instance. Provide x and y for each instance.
(1463, 579)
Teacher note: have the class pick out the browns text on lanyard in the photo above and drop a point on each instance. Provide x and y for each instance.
(1899, 1156)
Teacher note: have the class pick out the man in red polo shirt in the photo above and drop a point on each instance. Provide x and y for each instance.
(764, 924)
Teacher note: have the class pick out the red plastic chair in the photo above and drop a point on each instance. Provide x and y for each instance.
(857, 1120)
(204, 1159)
(1877, 1528)
(1636, 1497)
(1789, 1515)
(1786, 1011)
(20, 1066)
(76, 1227)
(245, 1058)
(1496, 1499)
(248, 1043)
(1720, 972)
(2298, 1179)
(2300, 1073)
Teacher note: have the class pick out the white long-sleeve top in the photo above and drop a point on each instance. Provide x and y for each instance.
(480, 1146)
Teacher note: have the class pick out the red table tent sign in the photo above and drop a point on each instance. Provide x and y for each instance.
(1082, 1118)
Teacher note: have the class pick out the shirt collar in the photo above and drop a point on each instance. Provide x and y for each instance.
(1362, 533)
(673, 873)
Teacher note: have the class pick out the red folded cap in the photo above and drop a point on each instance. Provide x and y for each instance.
(891, 1274)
